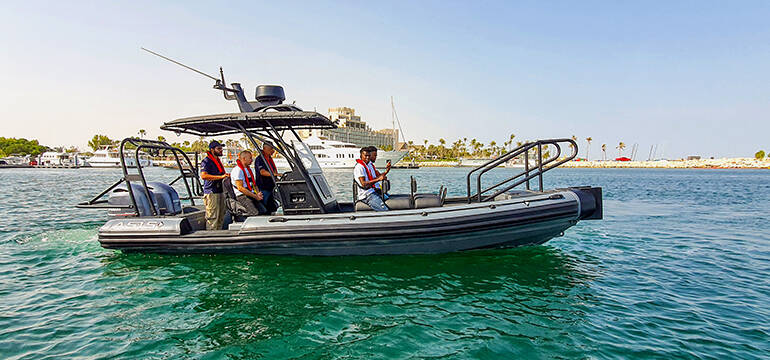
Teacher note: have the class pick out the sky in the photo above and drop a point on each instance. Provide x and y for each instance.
(692, 77)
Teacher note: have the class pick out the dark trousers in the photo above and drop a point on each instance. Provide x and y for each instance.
(253, 206)
(268, 202)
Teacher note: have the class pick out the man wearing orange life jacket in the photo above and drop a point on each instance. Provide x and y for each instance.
(366, 178)
(212, 173)
(372, 160)
(245, 185)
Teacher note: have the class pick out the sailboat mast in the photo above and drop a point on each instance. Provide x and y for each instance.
(393, 123)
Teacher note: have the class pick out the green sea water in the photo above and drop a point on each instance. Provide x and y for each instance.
(677, 269)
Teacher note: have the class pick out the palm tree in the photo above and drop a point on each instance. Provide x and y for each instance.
(456, 146)
(588, 148)
(141, 133)
(199, 145)
(620, 148)
(161, 138)
(604, 151)
(572, 147)
(477, 150)
(510, 139)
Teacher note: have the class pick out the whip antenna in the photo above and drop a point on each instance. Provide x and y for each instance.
(183, 65)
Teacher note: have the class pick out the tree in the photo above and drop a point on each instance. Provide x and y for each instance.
(492, 148)
(572, 147)
(199, 146)
(246, 142)
(99, 141)
(457, 147)
(477, 149)
(620, 147)
(588, 148)
(604, 151)
(161, 138)
(141, 133)
(13, 146)
(759, 155)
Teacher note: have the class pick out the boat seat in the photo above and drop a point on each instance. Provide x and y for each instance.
(236, 209)
(404, 202)
(427, 200)
(394, 202)
(422, 201)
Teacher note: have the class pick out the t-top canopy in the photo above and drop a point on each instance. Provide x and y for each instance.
(224, 124)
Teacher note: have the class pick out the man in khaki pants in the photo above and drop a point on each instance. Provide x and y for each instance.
(212, 173)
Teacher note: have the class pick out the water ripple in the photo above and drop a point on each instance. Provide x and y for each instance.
(676, 270)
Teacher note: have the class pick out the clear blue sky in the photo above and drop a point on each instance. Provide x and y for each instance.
(692, 76)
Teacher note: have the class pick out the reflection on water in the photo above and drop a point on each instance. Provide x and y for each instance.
(320, 304)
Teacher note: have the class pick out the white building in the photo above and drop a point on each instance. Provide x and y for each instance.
(351, 129)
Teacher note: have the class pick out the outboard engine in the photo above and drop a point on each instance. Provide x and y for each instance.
(167, 198)
(120, 196)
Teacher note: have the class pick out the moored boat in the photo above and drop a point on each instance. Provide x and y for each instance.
(108, 157)
(332, 154)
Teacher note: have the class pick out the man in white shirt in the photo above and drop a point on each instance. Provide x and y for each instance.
(372, 159)
(366, 178)
(244, 185)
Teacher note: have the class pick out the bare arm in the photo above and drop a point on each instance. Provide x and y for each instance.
(367, 184)
(264, 172)
(209, 177)
(387, 170)
(255, 195)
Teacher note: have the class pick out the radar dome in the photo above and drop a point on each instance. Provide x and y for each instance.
(270, 93)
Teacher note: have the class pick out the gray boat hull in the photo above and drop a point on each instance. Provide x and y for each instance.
(523, 220)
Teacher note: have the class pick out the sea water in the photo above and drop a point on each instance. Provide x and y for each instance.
(678, 268)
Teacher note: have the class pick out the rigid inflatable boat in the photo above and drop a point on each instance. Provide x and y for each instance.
(147, 216)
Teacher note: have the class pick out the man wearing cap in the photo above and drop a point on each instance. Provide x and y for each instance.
(212, 173)
(265, 165)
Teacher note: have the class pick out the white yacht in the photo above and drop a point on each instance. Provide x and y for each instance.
(54, 158)
(109, 157)
(341, 155)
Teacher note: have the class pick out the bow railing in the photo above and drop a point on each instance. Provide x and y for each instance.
(525, 176)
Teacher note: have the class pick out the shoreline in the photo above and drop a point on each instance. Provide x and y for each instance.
(723, 163)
